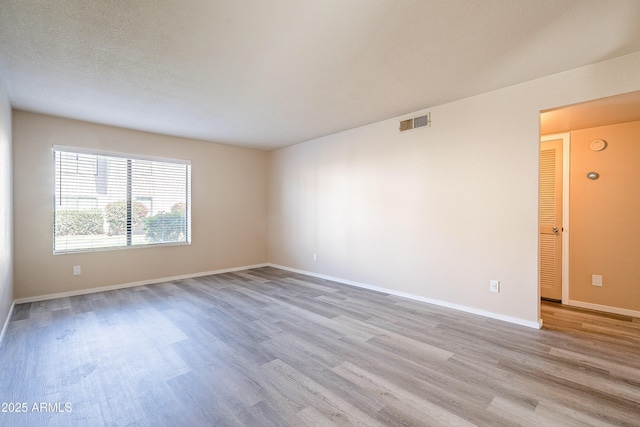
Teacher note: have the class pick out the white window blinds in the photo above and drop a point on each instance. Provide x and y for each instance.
(112, 200)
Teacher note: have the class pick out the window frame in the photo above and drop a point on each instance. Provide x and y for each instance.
(130, 198)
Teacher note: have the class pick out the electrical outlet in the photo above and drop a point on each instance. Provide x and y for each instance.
(76, 270)
(596, 280)
(315, 257)
(494, 285)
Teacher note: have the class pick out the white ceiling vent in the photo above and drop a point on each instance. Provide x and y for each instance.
(416, 122)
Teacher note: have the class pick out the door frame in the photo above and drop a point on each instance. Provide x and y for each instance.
(566, 163)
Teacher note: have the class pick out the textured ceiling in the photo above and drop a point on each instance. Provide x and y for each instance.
(268, 74)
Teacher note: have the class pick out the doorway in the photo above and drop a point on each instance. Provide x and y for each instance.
(585, 123)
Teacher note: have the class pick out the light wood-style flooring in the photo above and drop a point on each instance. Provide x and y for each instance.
(267, 347)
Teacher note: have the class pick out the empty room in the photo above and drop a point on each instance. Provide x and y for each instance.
(296, 212)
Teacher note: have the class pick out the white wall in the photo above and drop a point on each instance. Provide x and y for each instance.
(229, 208)
(6, 209)
(435, 212)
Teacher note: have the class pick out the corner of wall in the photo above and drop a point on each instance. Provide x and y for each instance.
(6, 212)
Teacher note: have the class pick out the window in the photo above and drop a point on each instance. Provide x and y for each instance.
(112, 200)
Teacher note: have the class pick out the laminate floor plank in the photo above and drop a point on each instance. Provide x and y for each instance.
(269, 347)
(313, 362)
(21, 312)
(529, 388)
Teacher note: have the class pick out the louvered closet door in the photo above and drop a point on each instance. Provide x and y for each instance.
(551, 220)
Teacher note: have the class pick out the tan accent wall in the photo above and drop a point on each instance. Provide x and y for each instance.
(6, 203)
(605, 217)
(229, 208)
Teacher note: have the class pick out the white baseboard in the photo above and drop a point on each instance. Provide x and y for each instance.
(472, 310)
(6, 322)
(131, 284)
(605, 308)
(466, 309)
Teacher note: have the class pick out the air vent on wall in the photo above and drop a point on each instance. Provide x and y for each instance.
(416, 122)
